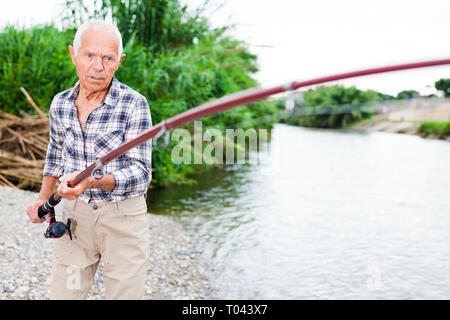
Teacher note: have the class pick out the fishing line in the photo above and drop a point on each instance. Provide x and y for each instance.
(220, 105)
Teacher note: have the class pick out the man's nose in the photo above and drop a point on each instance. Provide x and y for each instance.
(98, 64)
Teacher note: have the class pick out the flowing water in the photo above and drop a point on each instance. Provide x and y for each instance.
(324, 215)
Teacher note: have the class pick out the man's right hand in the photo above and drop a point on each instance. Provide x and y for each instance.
(32, 212)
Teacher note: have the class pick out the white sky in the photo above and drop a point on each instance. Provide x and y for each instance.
(318, 37)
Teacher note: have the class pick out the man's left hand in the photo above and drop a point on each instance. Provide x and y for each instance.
(72, 193)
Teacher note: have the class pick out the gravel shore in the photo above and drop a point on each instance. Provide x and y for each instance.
(176, 269)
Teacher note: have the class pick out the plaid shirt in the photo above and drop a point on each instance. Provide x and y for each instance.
(123, 115)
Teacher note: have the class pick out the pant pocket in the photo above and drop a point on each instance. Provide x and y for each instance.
(70, 252)
(133, 206)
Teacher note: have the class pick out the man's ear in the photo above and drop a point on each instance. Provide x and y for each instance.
(72, 53)
(121, 58)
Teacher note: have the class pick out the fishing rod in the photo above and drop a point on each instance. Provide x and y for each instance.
(58, 229)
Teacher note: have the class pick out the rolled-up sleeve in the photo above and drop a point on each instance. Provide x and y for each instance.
(53, 162)
(137, 175)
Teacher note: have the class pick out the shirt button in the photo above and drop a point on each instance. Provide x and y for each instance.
(95, 207)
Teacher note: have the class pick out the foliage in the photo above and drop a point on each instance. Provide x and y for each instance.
(440, 129)
(335, 106)
(384, 96)
(174, 82)
(443, 85)
(36, 59)
(407, 94)
(157, 24)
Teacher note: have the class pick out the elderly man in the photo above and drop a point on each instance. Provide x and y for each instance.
(109, 215)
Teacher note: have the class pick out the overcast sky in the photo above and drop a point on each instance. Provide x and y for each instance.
(299, 40)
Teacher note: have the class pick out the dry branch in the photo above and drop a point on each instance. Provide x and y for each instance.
(33, 104)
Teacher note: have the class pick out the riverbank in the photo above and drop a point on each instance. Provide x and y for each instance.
(408, 119)
(383, 124)
(176, 268)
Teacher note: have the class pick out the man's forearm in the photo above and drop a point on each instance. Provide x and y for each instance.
(47, 188)
(108, 182)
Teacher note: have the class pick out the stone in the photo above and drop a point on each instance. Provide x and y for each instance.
(8, 289)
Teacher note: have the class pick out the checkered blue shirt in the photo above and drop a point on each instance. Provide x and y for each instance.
(123, 115)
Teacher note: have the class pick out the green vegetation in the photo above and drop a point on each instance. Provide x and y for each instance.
(335, 107)
(443, 85)
(407, 94)
(438, 128)
(160, 25)
(36, 59)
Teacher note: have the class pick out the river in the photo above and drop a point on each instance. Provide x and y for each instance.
(325, 214)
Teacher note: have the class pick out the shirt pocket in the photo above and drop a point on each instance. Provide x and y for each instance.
(107, 142)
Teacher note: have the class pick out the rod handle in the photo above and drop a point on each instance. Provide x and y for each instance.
(47, 205)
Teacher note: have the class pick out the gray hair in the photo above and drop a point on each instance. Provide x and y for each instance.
(98, 25)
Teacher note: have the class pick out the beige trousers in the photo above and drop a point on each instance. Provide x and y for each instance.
(118, 233)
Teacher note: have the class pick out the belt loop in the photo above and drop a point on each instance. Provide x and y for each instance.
(75, 204)
(116, 205)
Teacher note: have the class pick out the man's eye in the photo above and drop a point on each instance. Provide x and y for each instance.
(108, 58)
(89, 55)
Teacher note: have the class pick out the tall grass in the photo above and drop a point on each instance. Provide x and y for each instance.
(158, 24)
(36, 59)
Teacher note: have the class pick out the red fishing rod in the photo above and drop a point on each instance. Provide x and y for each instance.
(58, 229)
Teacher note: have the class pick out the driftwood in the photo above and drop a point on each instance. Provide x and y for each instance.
(23, 145)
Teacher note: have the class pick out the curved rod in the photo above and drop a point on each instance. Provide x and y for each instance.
(237, 99)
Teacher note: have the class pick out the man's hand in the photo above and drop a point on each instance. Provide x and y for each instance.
(48, 183)
(32, 212)
(72, 193)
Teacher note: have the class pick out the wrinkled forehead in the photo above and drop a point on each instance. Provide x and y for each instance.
(99, 40)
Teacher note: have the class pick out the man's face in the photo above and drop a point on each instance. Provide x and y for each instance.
(96, 60)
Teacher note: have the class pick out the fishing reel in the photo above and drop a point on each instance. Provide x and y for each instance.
(98, 172)
(56, 229)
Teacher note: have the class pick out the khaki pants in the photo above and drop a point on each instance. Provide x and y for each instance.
(118, 233)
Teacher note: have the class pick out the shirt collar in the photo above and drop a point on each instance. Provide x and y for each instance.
(111, 99)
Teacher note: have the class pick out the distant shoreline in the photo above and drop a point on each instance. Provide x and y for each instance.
(384, 125)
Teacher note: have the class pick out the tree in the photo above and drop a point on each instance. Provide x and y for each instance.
(443, 85)
(335, 106)
(407, 94)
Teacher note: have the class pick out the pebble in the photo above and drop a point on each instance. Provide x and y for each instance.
(176, 268)
(8, 289)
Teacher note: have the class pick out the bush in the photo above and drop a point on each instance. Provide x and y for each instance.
(440, 129)
(335, 107)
